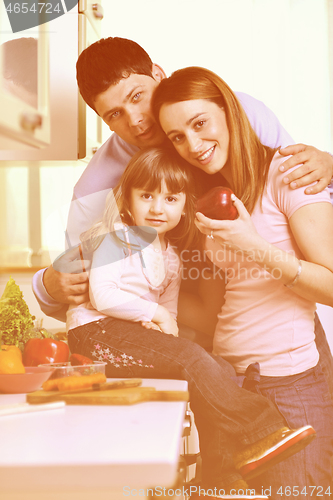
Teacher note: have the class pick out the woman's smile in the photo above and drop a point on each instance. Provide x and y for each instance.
(207, 156)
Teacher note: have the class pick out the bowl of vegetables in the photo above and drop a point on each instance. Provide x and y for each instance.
(24, 345)
(29, 381)
(15, 378)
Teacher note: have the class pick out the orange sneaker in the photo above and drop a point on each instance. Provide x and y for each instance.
(281, 444)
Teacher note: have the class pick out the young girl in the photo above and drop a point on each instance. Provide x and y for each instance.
(135, 272)
(135, 278)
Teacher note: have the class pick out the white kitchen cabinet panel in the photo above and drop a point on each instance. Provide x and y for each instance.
(67, 112)
(94, 13)
(24, 86)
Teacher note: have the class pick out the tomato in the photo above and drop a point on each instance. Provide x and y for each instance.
(79, 359)
(40, 351)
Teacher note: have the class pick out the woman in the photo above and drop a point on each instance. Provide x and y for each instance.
(277, 259)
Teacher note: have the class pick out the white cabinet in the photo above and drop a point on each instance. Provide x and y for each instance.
(24, 86)
(93, 11)
(90, 124)
(60, 107)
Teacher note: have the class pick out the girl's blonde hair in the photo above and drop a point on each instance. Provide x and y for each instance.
(249, 160)
(148, 170)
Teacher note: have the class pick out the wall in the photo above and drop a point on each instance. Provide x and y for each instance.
(275, 50)
(325, 314)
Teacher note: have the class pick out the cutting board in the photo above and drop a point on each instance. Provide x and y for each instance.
(127, 396)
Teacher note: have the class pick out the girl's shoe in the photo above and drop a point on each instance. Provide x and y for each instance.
(260, 456)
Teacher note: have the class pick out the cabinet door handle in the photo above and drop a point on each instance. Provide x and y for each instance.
(98, 10)
(31, 121)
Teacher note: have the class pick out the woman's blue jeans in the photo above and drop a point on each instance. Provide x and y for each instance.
(302, 399)
(227, 417)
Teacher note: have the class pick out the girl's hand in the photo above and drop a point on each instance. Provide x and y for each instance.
(238, 234)
(150, 325)
(165, 321)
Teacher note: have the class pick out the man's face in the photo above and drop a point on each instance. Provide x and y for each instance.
(126, 109)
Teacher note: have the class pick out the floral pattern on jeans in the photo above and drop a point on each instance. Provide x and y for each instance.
(118, 361)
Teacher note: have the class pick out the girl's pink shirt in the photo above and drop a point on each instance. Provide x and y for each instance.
(130, 288)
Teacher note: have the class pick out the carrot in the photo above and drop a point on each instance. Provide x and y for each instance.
(86, 381)
(51, 385)
(73, 383)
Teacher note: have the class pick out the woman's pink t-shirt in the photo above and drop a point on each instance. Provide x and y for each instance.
(262, 320)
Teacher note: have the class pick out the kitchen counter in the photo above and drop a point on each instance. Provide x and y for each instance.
(81, 452)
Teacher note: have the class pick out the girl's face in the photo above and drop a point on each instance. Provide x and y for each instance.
(198, 130)
(159, 210)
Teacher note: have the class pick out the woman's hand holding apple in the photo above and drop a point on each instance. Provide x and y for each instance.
(238, 234)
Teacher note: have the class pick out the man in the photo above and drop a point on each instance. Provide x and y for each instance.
(117, 78)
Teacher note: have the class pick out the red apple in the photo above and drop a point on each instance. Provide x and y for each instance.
(217, 204)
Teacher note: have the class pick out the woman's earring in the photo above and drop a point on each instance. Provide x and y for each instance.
(183, 214)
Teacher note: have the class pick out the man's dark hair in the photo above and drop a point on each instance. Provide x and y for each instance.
(106, 62)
